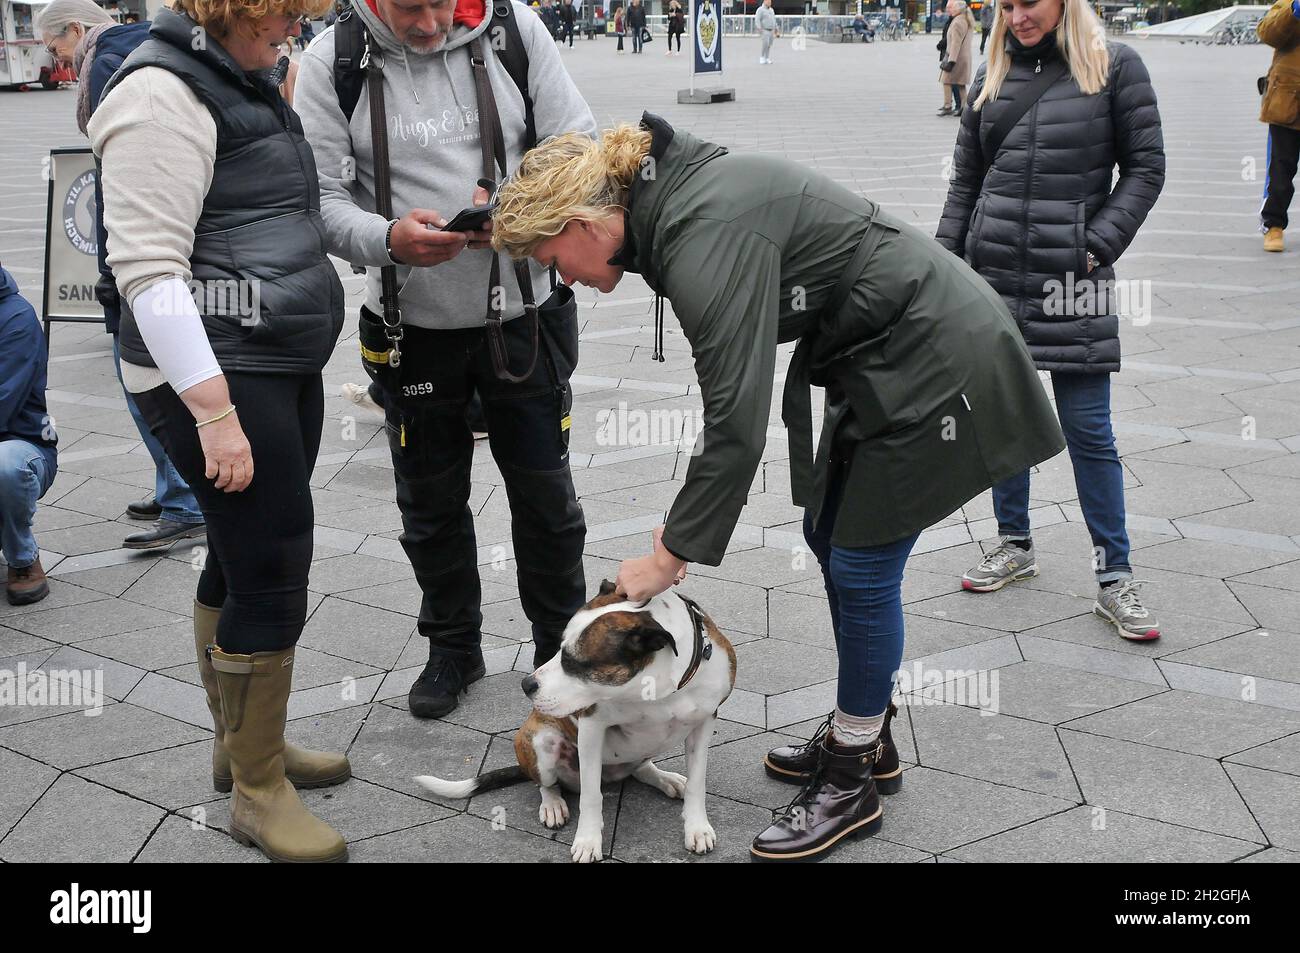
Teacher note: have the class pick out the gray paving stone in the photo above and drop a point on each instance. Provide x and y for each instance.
(460, 839)
(1161, 785)
(1195, 724)
(493, 704)
(1092, 835)
(748, 708)
(171, 778)
(938, 812)
(771, 666)
(1272, 798)
(342, 573)
(1270, 654)
(171, 697)
(363, 634)
(76, 739)
(14, 643)
(1281, 755)
(67, 825)
(62, 595)
(110, 580)
(394, 746)
(149, 649)
(356, 809)
(22, 782)
(799, 618)
(1177, 632)
(1011, 609)
(1208, 681)
(1086, 658)
(76, 623)
(181, 841)
(735, 770)
(997, 748)
(1053, 694)
(1272, 855)
(925, 636)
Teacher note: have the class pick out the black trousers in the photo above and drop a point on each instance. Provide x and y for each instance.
(260, 539)
(433, 451)
(1279, 188)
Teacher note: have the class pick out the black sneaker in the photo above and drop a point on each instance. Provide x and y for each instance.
(163, 534)
(149, 509)
(437, 691)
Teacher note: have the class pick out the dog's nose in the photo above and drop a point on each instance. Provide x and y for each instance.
(530, 685)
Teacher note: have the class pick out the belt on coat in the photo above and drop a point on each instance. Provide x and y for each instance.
(796, 399)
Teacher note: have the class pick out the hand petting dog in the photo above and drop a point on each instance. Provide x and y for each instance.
(644, 578)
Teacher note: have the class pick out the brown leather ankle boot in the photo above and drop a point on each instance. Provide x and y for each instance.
(839, 801)
(794, 764)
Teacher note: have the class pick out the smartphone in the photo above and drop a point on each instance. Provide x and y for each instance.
(471, 219)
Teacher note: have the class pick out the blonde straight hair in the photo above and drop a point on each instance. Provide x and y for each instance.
(1079, 36)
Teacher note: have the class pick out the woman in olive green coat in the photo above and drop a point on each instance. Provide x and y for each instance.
(931, 394)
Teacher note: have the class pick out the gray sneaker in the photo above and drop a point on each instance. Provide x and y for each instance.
(1002, 564)
(1120, 606)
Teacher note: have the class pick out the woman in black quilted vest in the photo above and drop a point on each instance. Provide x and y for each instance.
(1037, 216)
(230, 309)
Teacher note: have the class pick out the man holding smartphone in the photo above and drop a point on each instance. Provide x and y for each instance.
(432, 114)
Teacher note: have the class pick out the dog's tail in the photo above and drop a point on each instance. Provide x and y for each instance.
(490, 781)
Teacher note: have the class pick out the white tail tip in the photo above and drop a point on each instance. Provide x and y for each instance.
(451, 789)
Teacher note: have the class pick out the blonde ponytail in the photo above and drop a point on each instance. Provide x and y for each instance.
(564, 178)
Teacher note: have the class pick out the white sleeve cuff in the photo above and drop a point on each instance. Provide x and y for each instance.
(173, 332)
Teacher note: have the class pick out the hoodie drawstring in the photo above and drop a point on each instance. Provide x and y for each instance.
(406, 64)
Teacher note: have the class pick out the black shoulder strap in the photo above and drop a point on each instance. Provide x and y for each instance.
(1017, 107)
(349, 43)
(512, 53)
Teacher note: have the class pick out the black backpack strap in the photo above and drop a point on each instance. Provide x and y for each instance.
(349, 45)
(1024, 101)
(512, 53)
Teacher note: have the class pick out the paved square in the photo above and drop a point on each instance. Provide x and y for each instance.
(1185, 749)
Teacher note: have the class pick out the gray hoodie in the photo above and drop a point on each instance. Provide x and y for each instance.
(434, 155)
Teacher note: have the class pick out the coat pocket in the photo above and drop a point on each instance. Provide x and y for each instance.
(973, 232)
(1281, 105)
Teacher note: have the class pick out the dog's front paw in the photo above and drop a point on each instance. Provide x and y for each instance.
(586, 848)
(674, 785)
(700, 837)
(554, 814)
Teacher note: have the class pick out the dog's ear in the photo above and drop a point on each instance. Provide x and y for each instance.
(649, 636)
(606, 587)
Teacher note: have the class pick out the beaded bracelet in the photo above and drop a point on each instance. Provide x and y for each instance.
(221, 416)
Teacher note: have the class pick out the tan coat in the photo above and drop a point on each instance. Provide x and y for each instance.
(960, 35)
(1281, 30)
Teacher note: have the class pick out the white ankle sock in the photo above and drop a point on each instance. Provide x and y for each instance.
(857, 729)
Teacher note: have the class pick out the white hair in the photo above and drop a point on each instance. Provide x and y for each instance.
(58, 15)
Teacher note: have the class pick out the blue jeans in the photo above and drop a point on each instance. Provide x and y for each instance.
(25, 475)
(170, 489)
(1083, 405)
(865, 590)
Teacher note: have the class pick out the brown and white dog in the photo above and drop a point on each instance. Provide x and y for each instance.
(630, 682)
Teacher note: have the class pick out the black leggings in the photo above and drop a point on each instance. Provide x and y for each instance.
(260, 539)
(678, 35)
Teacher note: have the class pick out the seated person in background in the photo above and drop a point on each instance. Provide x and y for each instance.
(27, 439)
(862, 28)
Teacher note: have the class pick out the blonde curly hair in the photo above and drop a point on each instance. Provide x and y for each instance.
(567, 177)
(222, 16)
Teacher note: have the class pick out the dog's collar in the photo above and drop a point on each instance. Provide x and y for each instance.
(702, 650)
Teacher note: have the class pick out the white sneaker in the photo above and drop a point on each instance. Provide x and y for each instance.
(359, 394)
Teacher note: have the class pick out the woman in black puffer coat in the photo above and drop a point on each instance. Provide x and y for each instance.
(1044, 226)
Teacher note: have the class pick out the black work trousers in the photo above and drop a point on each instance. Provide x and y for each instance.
(1279, 189)
(433, 450)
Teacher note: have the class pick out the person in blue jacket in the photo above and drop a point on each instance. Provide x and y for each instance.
(27, 439)
(82, 35)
